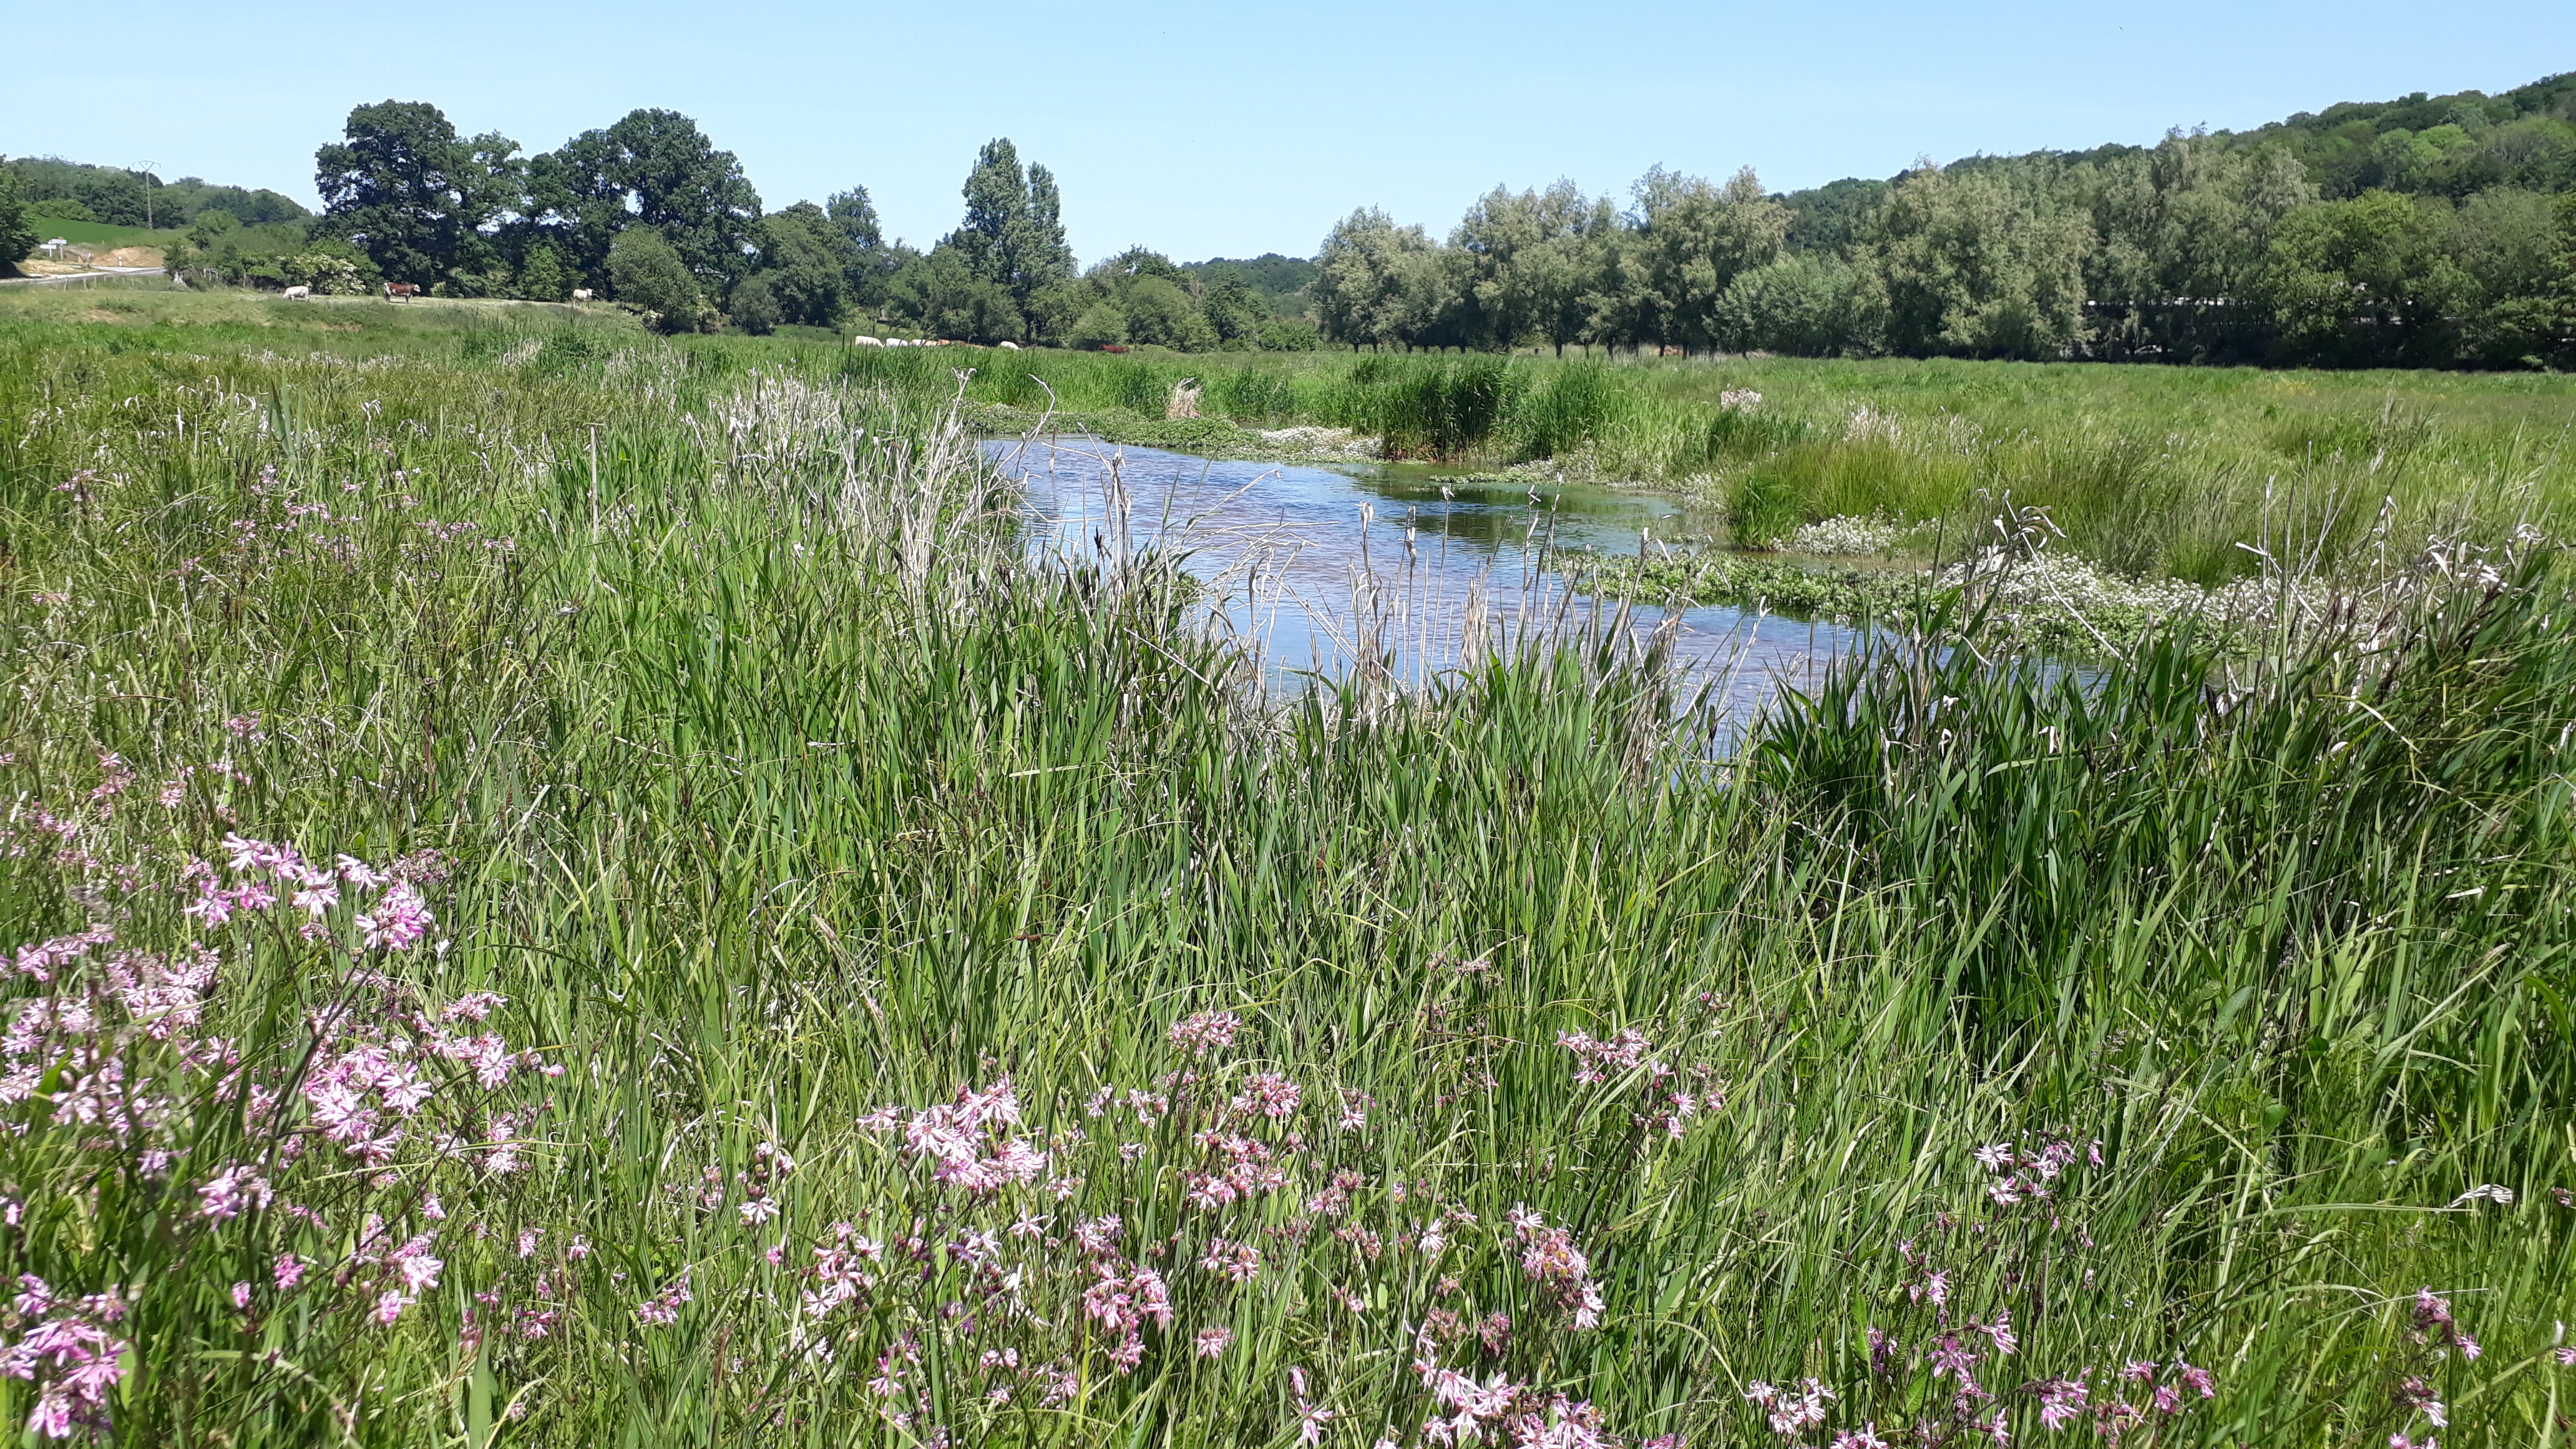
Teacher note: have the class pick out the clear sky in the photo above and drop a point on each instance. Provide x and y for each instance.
(1235, 129)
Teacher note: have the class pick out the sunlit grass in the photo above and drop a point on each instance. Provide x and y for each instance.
(1560, 1079)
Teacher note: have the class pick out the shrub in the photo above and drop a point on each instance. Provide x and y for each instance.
(754, 307)
(327, 275)
(648, 273)
(543, 277)
(1101, 325)
(61, 208)
(1158, 311)
(1290, 334)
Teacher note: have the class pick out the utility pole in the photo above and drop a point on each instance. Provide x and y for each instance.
(144, 170)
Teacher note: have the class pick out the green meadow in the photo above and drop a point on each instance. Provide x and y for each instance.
(570, 887)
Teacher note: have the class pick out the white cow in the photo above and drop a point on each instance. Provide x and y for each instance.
(866, 342)
(581, 294)
(1010, 347)
(298, 294)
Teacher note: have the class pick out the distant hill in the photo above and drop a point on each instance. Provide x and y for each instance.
(1280, 280)
(2454, 145)
(116, 197)
(93, 234)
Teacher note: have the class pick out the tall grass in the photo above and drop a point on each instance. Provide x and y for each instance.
(892, 913)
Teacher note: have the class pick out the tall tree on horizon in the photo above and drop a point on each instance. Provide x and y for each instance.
(653, 168)
(1013, 232)
(402, 187)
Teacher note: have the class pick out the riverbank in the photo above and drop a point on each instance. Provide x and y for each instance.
(570, 888)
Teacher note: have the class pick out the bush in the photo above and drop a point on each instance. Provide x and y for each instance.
(17, 234)
(647, 273)
(327, 275)
(754, 307)
(1808, 306)
(61, 208)
(1158, 311)
(543, 277)
(1290, 334)
(1100, 325)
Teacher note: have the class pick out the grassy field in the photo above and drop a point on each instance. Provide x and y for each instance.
(571, 889)
(2150, 471)
(97, 234)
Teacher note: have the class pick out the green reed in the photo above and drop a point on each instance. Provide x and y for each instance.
(772, 786)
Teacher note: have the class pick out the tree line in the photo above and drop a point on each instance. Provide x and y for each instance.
(649, 211)
(2427, 231)
(51, 188)
(2200, 249)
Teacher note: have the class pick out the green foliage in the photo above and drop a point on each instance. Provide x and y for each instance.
(653, 168)
(1978, 267)
(940, 294)
(543, 276)
(1290, 334)
(754, 307)
(1279, 281)
(328, 273)
(869, 260)
(1013, 234)
(1375, 282)
(806, 263)
(772, 787)
(648, 273)
(1231, 308)
(137, 198)
(2365, 280)
(17, 234)
(1691, 241)
(1159, 312)
(1805, 305)
(412, 195)
(61, 208)
(1101, 324)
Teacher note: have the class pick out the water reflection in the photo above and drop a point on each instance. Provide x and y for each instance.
(1314, 565)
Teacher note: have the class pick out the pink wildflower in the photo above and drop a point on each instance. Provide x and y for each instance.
(398, 921)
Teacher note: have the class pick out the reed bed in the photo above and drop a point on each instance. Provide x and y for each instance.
(600, 896)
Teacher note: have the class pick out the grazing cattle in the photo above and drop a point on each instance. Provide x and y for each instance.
(298, 294)
(581, 294)
(865, 342)
(1010, 347)
(401, 291)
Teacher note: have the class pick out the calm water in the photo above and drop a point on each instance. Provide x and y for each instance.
(1309, 560)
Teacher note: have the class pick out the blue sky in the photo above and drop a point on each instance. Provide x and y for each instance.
(1238, 129)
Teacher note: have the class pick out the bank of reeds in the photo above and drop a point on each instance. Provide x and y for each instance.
(681, 934)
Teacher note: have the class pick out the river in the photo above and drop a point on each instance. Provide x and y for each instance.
(1306, 561)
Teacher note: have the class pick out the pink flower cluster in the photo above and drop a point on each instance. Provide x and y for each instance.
(70, 1355)
(965, 1141)
(2025, 1174)
(663, 1308)
(1466, 1412)
(1238, 1167)
(1596, 1060)
(1207, 1031)
(1791, 1411)
(1550, 1259)
(843, 1273)
(398, 920)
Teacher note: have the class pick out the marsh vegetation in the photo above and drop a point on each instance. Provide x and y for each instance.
(570, 887)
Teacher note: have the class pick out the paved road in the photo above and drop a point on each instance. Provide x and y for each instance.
(81, 277)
